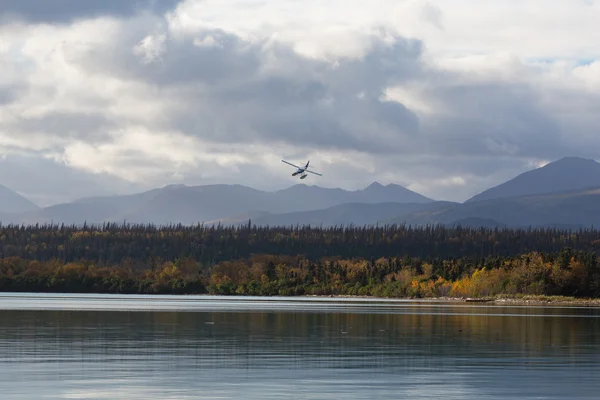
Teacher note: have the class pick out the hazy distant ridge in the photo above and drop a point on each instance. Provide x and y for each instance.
(197, 204)
(566, 174)
(12, 202)
(565, 193)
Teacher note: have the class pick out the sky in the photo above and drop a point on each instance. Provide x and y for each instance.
(444, 97)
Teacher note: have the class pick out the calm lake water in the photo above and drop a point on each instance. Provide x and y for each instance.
(205, 347)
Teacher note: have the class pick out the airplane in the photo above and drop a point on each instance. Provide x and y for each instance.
(301, 170)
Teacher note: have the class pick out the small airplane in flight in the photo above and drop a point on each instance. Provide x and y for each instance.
(301, 170)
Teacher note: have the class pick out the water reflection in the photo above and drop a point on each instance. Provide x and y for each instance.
(405, 350)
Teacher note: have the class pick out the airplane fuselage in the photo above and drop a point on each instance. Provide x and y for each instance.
(302, 171)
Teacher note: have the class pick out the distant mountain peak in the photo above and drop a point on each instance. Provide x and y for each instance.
(391, 192)
(185, 204)
(12, 202)
(375, 185)
(175, 186)
(395, 185)
(572, 161)
(300, 186)
(565, 174)
(575, 158)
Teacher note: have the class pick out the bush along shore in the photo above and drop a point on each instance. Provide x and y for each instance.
(533, 274)
(393, 262)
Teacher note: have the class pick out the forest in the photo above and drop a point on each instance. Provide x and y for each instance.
(386, 261)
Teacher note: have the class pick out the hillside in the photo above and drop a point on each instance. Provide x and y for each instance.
(12, 202)
(566, 174)
(197, 204)
(561, 194)
(344, 214)
(570, 209)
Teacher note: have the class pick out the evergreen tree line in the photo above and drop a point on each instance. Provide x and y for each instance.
(148, 245)
(394, 261)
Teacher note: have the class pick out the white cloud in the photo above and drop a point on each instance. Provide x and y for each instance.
(313, 28)
(207, 41)
(539, 163)
(589, 75)
(447, 97)
(151, 48)
(529, 29)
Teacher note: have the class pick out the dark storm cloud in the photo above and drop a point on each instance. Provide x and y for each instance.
(230, 63)
(382, 66)
(500, 119)
(275, 90)
(231, 90)
(64, 11)
(222, 89)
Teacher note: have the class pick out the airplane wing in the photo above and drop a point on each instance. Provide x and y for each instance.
(313, 172)
(291, 164)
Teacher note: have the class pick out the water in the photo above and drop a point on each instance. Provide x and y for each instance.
(202, 347)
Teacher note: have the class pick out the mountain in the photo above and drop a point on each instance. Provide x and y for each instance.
(12, 202)
(378, 193)
(91, 210)
(344, 214)
(573, 209)
(304, 197)
(564, 193)
(195, 204)
(569, 173)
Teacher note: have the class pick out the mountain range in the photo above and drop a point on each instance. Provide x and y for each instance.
(564, 193)
(12, 202)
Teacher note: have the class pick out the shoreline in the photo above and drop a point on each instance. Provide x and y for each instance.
(517, 300)
(533, 300)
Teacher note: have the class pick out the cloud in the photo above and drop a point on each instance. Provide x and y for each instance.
(9, 93)
(443, 98)
(433, 14)
(243, 91)
(151, 48)
(64, 11)
(46, 181)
